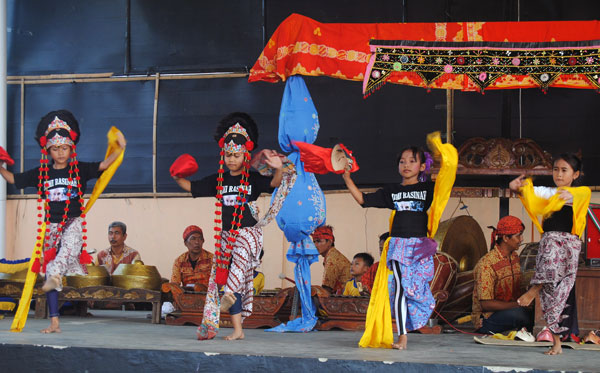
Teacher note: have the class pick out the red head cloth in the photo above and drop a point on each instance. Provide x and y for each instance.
(324, 232)
(318, 160)
(5, 157)
(506, 226)
(191, 230)
(185, 165)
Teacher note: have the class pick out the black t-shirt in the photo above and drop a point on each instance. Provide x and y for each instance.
(559, 221)
(206, 187)
(57, 187)
(411, 203)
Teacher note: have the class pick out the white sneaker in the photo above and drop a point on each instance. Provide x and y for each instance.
(524, 335)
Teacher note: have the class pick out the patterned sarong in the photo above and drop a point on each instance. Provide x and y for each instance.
(415, 256)
(555, 269)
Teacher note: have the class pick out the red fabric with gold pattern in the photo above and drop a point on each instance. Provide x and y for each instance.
(185, 165)
(301, 45)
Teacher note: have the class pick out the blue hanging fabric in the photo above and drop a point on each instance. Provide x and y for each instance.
(304, 207)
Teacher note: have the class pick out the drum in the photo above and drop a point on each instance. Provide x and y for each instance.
(461, 238)
(443, 279)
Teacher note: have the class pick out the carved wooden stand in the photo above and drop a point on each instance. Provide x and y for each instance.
(190, 306)
(102, 293)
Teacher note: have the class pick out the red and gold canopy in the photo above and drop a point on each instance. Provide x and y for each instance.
(301, 45)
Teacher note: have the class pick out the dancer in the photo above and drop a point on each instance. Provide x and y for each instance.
(238, 238)
(409, 250)
(61, 186)
(564, 211)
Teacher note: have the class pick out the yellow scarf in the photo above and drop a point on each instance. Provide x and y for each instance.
(378, 325)
(21, 315)
(538, 206)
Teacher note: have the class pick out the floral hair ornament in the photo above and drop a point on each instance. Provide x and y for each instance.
(428, 164)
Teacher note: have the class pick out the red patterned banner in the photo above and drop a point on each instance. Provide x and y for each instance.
(303, 46)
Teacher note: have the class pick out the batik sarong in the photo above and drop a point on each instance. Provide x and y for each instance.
(555, 269)
(415, 256)
(246, 251)
(66, 262)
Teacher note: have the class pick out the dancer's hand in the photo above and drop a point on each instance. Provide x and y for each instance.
(517, 183)
(565, 195)
(272, 159)
(121, 140)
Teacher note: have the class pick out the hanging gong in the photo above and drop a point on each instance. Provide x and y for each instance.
(462, 238)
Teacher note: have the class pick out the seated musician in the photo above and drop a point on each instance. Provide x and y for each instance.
(118, 252)
(337, 267)
(360, 265)
(369, 277)
(192, 268)
(497, 282)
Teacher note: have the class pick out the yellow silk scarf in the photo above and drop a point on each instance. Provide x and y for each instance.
(378, 325)
(538, 206)
(21, 315)
(104, 179)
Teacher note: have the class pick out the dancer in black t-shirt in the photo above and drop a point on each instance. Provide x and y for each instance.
(61, 185)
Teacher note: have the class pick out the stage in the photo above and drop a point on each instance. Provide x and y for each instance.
(126, 341)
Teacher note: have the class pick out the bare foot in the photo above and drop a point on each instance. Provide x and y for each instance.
(52, 283)
(51, 329)
(234, 336)
(526, 299)
(401, 343)
(227, 301)
(554, 350)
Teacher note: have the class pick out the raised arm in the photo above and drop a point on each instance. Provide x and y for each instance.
(183, 183)
(113, 156)
(517, 183)
(356, 194)
(272, 160)
(6, 174)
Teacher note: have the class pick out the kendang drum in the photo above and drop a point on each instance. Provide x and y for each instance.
(443, 280)
(461, 238)
(136, 276)
(97, 276)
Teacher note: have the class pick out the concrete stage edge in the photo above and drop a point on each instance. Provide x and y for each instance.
(125, 341)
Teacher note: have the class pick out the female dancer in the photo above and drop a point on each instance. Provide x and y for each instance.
(558, 254)
(409, 249)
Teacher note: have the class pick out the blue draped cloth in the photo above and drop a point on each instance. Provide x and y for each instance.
(304, 207)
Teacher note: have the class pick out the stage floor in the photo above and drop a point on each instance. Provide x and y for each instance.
(123, 335)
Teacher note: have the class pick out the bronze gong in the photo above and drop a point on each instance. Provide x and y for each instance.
(462, 238)
(136, 276)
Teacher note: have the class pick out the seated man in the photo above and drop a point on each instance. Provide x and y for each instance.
(497, 282)
(118, 252)
(193, 267)
(337, 266)
(360, 265)
(369, 277)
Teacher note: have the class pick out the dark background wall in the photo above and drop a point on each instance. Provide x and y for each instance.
(128, 37)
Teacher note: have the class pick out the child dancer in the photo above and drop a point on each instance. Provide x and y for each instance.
(558, 254)
(239, 242)
(409, 250)
(61, 186)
